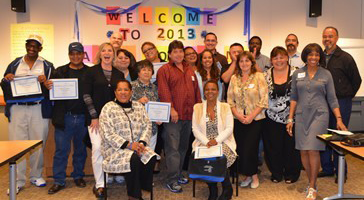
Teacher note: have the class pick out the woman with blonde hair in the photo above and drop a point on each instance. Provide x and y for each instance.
(100, 81)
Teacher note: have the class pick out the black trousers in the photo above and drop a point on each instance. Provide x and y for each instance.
(140, 177)
(283, 160)
(247, 138)
(159, 145)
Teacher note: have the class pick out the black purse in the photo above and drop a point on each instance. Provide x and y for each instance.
(355, 140)
(207, 169)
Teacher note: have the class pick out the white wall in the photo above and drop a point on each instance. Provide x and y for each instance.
(272, 20)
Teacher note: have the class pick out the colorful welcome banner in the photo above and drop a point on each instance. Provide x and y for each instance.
(178, 16)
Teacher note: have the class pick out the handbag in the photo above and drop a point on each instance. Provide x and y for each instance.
(207, 169)
(355, 140)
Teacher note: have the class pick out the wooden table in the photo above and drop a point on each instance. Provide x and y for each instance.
(10, 152)
(342, 150)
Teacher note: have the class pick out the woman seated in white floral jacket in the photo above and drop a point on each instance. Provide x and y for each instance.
(213, 124)
(126, 131)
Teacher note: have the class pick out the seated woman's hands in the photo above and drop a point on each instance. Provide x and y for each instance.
(138, 147)
(211, 143)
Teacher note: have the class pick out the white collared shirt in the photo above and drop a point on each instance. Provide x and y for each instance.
(296, 60)
(24, 69)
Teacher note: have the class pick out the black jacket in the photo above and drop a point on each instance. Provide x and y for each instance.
(59, 109)
(100, 90)
(345, 73)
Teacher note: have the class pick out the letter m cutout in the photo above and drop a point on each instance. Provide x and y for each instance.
(113, 18)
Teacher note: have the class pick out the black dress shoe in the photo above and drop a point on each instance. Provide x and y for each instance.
(99, 192)
(55, 188)
(324, 174)
(80, 182)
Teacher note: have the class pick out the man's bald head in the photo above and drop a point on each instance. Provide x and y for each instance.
(116, 40)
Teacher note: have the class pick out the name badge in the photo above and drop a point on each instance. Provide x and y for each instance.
(251, 86)
(301, 75)
(193, 78)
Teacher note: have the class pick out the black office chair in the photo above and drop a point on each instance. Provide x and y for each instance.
(235, 176)
(105, 183)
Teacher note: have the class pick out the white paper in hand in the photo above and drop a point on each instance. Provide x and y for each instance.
(341, 132)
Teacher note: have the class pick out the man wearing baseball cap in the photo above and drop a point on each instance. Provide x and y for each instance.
(29, 115)
(69, 122)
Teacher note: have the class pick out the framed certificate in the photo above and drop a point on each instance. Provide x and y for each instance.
(158, 111)
(26, 85)
(205, 152)
(64, 89)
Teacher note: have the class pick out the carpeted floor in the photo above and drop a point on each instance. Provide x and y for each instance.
(267, 190)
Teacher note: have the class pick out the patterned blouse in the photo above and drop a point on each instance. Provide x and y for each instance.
(245, 97)
(150, 91)
(278, 110)
(119, 125)
(212, 133)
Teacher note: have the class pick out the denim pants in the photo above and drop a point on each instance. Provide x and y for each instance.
(329, 157)
(75, 130)
(176, 138)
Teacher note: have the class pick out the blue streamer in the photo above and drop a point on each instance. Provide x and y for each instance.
(112, 11)
(223, 10)
(247, 18)
(99, 9)
(205, 12)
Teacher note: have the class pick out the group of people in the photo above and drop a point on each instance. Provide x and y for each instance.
(285, 101)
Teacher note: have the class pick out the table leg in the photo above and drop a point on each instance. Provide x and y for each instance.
(340, 183)
(12, 180)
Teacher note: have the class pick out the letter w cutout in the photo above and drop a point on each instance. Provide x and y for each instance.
(112, 18)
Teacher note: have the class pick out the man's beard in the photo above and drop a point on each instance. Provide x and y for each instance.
(293, 48)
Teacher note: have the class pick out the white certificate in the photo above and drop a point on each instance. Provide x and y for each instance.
(26, 85)
(156, 67)
(205, 152)
(158, 111)
(64, 89)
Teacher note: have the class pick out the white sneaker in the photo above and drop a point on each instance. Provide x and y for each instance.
(246, 182)
(17, 190)
(39, 182)
(312, 194)
(120, 179)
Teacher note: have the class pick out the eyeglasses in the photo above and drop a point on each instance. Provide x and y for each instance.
(148, 50)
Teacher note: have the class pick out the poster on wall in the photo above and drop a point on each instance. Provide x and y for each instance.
(20, 32)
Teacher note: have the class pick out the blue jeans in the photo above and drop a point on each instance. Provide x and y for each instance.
(329, 157)
(176, 140)
(75, 130)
